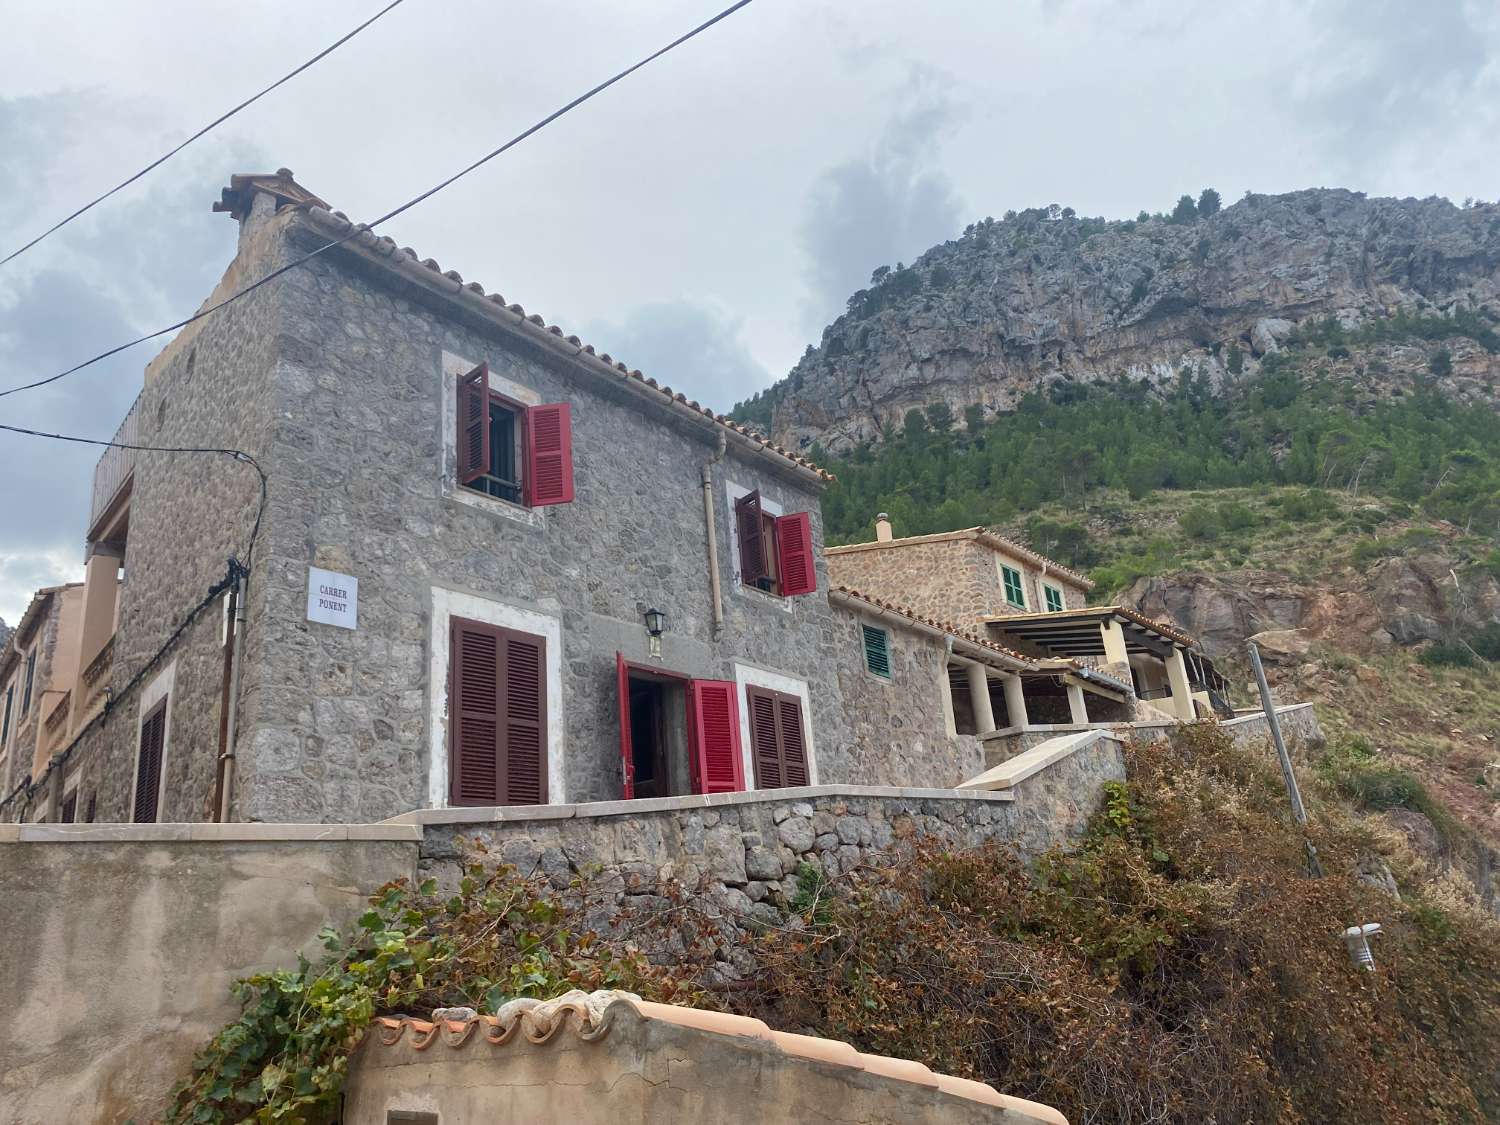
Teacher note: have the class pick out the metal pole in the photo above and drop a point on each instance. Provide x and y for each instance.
(1298, 811)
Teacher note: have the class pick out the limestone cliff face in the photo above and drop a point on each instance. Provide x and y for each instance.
(1033, 300)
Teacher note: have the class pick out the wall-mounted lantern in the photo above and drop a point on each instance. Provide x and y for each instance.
(656, 624)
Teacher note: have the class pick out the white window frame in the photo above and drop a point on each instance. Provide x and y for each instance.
(161, 686)
(453, 367)
(448, 604)
(733, 492)
(746, 675)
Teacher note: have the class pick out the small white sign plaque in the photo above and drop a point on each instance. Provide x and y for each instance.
(332, 598)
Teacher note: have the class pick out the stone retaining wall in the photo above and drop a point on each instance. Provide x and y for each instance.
(1298, 721)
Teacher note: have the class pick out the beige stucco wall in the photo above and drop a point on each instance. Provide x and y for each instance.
(118, 953)
(641, 1070)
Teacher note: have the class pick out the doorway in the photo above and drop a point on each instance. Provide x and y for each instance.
(654, 732)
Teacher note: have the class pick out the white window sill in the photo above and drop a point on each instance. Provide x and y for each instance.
(518, 513)
(782, 603)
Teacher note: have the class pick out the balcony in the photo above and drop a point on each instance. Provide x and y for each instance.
(96, 679)
(112, 473)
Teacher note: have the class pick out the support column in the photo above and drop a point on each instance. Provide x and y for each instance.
(1015, 702)
(1182, 693)
(1114, 643)
(947, 698)
(1077, 709)
(979, 693)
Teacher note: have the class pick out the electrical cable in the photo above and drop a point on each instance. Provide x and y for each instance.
(326, 51)
(360, 228)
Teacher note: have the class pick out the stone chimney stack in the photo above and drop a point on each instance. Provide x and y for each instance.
(882, 528)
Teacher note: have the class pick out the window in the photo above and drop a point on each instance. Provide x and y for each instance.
(69, 809)
(776, 738)
(10, 694)
(520, 454)
(776, 552)
(148, 765)
(1015, 593)
(1054, 598)
(30, 675)
(877, 650)
(497, 716)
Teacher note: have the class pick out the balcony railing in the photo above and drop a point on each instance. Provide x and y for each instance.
(115, 466)
(96, 680)
(57, 717)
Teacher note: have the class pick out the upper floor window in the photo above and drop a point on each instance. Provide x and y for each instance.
(517, 453)
(1054, 598)
(877, 650)
(30, 676)
(1015, 592)
(776, 552)
(10, 694)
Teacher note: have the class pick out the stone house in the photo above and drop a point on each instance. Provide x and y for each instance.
(38, 670)
(489, 566)
(1091, 665)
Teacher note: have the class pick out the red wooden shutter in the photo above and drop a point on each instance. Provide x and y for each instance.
(752, 539)
(474, 424)
(793, 747)
(549, 454)
(148, 768)
(764, 744)
(794, 554)
(525, 730)
(474, 717)
(714, 724)
(627, 750)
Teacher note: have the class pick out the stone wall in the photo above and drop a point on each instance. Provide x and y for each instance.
(1298, 722)
(951, 580)
(741, 852)
(346, 725)
(898, 726)
(121, 944)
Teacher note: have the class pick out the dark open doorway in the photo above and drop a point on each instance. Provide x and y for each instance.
(654, 729)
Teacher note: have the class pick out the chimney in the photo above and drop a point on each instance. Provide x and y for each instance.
(882, 528)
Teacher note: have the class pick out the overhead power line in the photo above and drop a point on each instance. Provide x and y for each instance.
(360, 228)
(324, 53)
(236, 454)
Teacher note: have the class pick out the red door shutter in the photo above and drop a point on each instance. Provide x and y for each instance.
(549, 454)
(714, 725)
(794, 560)
(474, 424)
(148, 768)
(627, 750)
(474, 717)
(752, 538)
(793, 747)
(525, 731)
(764, 744)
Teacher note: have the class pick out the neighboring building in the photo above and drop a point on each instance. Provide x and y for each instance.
(1093, 666)
(501, 518)
(38, 670)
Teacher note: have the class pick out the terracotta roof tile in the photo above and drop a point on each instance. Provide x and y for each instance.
(934, 623)
(587, 1014)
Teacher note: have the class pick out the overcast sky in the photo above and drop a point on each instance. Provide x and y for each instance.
(704, 219)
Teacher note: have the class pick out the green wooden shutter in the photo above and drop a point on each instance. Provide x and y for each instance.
(1054, 599)
(877, 650)
(1015, 593)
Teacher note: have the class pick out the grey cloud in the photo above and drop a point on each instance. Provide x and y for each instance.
(693, 348)
(887, 206)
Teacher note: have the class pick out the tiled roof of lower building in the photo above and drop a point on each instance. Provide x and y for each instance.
(936, 625)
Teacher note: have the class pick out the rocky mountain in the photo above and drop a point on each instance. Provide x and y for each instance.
(1045, 298)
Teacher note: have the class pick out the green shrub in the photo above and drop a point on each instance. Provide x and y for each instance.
(1201, 522)
(1446, 655)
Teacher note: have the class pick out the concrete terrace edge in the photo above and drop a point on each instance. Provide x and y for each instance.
(244, 833)
(594, 809)
(1258, 714)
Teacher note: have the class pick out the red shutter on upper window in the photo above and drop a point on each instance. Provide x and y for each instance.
(627, 750)
(752, 538)
(794, 560)
(474, 424)
(474, 717)
(148, 767)
(525, 731)
(714, 726)
(549, 454)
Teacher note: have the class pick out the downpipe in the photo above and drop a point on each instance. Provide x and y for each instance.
(232, 704)
(716, 595)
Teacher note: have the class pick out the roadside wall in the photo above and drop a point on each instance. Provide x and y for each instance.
(121, 943)
(1298, 721)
